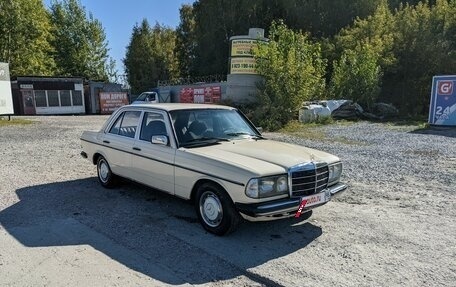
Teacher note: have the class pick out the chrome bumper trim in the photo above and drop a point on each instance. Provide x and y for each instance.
(281, 208)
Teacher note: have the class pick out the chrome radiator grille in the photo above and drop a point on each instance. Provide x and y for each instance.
(308, 179)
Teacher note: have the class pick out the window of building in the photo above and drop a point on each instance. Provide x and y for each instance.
(77, 98)
(40, 99)
(65, 98)
(53, 98)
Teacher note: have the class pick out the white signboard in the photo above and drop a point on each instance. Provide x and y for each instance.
(6, 98)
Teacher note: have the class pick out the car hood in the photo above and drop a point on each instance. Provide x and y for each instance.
(263, 154)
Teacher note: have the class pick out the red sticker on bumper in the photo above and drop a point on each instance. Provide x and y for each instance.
(301, 207)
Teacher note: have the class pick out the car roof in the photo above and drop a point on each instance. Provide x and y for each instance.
(180, 106)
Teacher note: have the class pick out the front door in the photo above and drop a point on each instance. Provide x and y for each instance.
(28, 103)
(152, 163)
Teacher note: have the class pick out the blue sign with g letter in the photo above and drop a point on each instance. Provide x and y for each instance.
(442, 110)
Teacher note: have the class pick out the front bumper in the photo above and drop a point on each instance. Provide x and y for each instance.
(281, 208)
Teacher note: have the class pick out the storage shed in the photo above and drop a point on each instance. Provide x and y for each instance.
(48, 95)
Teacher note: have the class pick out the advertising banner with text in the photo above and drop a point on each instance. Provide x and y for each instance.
(109, 102)
(201, 95)
(242, 47)
(242, 66)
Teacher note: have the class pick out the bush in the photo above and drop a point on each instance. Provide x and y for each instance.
(293, 71)
(356, 76)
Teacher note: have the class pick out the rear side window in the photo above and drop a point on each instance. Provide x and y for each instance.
(126, 124)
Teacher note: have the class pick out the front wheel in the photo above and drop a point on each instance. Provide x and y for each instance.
(215, 209)
(105, 175)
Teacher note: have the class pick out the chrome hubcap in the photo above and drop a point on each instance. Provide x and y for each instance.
(104, 171)
(211, 209)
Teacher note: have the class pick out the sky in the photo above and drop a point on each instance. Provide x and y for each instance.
(119, 17)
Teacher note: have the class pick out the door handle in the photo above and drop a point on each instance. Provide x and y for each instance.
(105, 141)
(137, 148)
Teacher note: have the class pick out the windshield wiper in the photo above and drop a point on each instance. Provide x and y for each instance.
(245, 134)
(203, 141)
(208, 139)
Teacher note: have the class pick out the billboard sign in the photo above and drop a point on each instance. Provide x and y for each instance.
(442, 110)
(242, 47)
(6, 97)
(109, 102)
(201, 95)
(242, 66)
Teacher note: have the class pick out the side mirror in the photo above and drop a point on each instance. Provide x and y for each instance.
(161, 140)
(260, 129)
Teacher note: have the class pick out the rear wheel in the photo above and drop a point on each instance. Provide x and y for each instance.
(105, 175)
(215, 209)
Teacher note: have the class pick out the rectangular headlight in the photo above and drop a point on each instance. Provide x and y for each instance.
(267, 186)
(335, 170)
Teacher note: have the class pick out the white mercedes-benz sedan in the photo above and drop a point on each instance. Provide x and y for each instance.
(214, 156)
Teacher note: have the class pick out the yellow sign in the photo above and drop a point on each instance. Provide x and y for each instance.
(242, 66)
(242, 47)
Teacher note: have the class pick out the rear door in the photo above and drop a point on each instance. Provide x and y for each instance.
(153, 164)
(119, 140)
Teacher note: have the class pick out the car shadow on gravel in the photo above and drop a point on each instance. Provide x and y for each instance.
(437, 131)
(149, 232)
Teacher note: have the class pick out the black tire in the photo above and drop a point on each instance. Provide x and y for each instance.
(216, 210)
(105, 176)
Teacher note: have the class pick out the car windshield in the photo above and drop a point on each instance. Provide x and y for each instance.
(146, 96)
(208, 126)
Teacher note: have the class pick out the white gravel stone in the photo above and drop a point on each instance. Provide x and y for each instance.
(394, 226)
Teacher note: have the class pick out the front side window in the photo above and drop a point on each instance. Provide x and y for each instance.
(152, 125)
(126, 124)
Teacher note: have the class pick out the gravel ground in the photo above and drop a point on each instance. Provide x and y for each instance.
(394, 227)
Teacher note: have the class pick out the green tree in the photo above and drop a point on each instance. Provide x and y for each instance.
(377, 31)
(325, 18)
(25, 35)
(425, 46)
(185, 41)
(412, 44)
(293, 72)
(150, 56)
(217, 20)
(357, 76)
(80, 44)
